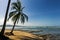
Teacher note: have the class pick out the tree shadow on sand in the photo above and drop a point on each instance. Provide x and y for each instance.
(9, 34)
(3, 37)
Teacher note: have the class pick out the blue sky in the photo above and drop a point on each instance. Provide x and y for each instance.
(40, 12)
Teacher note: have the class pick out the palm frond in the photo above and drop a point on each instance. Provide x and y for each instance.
(16, 18)
(22, 19)
(14, 6)
(25, 16)
(11, 14)
(19, 4)
(22, 8)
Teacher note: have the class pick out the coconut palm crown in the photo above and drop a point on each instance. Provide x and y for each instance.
(17, 13)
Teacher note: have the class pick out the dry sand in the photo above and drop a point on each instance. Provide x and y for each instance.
(21, 35)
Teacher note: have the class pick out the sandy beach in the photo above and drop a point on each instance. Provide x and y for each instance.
(21, 35)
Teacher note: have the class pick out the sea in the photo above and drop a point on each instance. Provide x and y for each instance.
(38, 29)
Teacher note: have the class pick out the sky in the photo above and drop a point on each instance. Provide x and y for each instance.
(40, 12)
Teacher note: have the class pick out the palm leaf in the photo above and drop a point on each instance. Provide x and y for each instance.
(19, 4)
(22, 19)
(14, 6)
(11, 14)
(25, 16)
(18, 17)
(14, 18)
(22, 8)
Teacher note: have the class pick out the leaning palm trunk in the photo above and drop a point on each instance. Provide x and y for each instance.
(17, 14)
(13, 28)
(3, 29)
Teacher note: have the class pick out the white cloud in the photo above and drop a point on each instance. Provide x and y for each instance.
(2, 21)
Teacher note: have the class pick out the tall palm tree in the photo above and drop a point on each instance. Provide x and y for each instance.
(3, 29)
(17, 14)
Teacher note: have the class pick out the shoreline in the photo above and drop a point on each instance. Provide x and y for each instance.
(22, 35)
(42, 37)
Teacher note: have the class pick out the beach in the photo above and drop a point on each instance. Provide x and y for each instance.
(29, 19)
(33, 33)
(23, 35)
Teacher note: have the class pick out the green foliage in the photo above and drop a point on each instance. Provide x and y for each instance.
(18, 15)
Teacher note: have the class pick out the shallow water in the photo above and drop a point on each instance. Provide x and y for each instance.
(45, 30)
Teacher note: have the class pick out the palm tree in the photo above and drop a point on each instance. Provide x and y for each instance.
(17, 14)
(3, 29)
